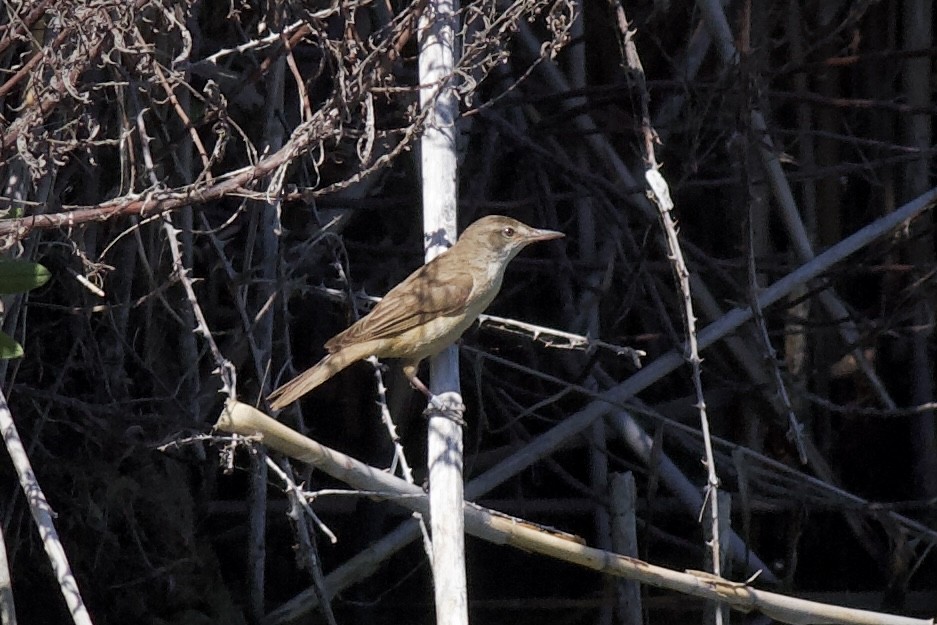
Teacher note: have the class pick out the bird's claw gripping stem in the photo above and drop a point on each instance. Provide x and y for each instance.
(447, 405)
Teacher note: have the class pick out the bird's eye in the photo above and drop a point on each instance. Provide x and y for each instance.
(509, 232)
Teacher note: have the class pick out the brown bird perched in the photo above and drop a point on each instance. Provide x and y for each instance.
(429, 310)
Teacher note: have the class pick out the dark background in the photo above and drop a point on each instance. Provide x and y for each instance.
(159, 534)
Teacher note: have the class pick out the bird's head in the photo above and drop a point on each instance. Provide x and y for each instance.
(500, 238)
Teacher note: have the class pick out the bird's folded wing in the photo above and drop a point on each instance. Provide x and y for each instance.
(418, 299)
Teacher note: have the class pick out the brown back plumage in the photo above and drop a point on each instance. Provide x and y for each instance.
(405, 307)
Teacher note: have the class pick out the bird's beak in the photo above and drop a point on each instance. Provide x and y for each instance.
(543, 235)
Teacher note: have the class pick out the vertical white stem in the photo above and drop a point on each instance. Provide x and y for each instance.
(437, 32)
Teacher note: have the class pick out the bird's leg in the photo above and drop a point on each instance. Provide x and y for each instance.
(409, 370)
(446, 407)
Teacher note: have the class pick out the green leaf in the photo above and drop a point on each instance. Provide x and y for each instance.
(17, 276)
(9, 348)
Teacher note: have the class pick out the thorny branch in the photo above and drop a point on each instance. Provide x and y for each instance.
(104, 36)
(659, 193)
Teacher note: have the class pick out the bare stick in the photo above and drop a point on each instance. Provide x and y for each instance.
(399, 454)
(42, 515)
(7, 604)
(505, 530)
(550, 337)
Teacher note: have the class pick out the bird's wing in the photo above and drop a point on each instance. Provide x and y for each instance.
(421, 297)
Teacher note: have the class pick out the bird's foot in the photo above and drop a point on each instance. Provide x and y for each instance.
(447, 405)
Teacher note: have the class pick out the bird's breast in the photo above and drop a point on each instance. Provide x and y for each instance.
(429, 338)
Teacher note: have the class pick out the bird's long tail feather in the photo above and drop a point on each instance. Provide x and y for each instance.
(310, 378)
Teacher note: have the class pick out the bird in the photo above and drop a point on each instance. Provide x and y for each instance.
(429, 310)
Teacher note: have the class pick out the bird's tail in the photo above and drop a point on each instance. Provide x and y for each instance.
(309, 379)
